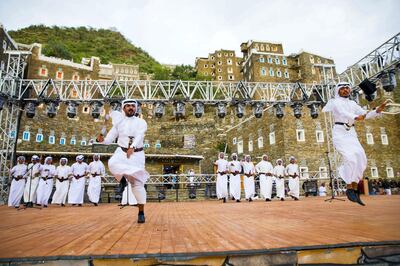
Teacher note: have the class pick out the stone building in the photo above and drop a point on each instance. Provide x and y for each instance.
(222, 65)
(119, 72)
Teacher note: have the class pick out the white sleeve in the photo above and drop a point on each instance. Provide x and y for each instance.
(140, 134)
(12, 170)
(111, 136)
(103, 170)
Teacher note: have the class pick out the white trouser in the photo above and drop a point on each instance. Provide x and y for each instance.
(76, 190)
(30, 189)
(130, 197)
(249, 187)
(16, 192)
(44, 190)
(266, 186)
(234, 186)
(94, 189)
(60, 195)
(294, 187)
(222, 186)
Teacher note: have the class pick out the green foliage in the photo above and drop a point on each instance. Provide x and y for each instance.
(57, 49)
(221, 147)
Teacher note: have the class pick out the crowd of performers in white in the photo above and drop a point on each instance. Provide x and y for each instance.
(266, 172)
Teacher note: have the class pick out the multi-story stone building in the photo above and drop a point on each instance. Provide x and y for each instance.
(119, 72)
(222, 65)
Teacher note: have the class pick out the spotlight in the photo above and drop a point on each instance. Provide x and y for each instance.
(52, 109)
(388, 81)
(96, 109)
(2, 101)
(297, 109)
(30, 109)
(198, 109)
(179, 111)
(279, 110)
(159, 109)
(139, 109)
(115, 106)
(239, 107)
(71, 109)
(258, 109)
(313, 110)
(369, 89)
(221, 109)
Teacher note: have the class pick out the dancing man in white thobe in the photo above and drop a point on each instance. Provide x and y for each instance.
(248, 181)
(292, 170)
(222, 178)
(126, 197)
(265, 171)
(17, 173)
(32, 181)
(128, 160)
(344, 137)
(97, 172)
(234, 180)
(63, 175)
(279, 173)
(45, 187)
(77, 187)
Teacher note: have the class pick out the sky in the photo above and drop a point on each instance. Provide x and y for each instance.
(178, 31)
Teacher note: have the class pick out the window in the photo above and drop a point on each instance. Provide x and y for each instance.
(219, 62)
(219, 77)
(272, 138)
(262, 60)
(270, 60)
(286, 74)
(389, 172)
(43, 71)
(85, 110)
(229, 61)
(52, 139)
(319, 135)
(384, 139)
(250, 145)
(158, 144)
(213, 66)
(4, 45)
(300, 135)
(277, 61)
(240, 146)
(278, 73)
(271, 72)
(311, 59)
(260, 142)
(75, 77)
(205, 66)
(12, 134)
(59, 75)
(231, 77)
(39, 137)
(234, 141)
(263, 71)
(284, 62)
(219, 69)
(2, 65)
(26, 136)
(219, 54)
(146, 144)
(73, 141)
(374, 172)
(370, 139)
(62, 141)
(230, 70)
(313, 70)
(304, 172)
(323, 172)
(83, 142)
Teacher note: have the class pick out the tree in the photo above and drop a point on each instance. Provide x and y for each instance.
(57, 49)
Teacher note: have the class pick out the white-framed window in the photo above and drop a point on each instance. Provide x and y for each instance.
(85, 109)
(277, 61)
(263, 71)
(72, 141)
(313, 70)
(319, 135)
(219, 54)
(231, 77)
(4, 45)
(260, 142)
(284, 62)
(278, 73)
(384, 139)
(234, 141)
(250, 145)
(272, 138)
(43, 71)
(271, 72)
(146, 144)
(300, 135)
(219, 62)
(39, 137)
(3, 65)
(240, 146)
(26, 136)
(323, 172)
(262, 60)
(389, 172)
(205, 66)
(304, 172)
(13, 134)
(219, 77)
(311, 59)
(229, 61)
(62, 141)
(225, 54)
(374, 172)
(230, 70)
(158, 144)
(220, 70)
(52, 139)
(59, 74)
(212, 57)
(270, 60)
(286, 74)
(83, 142)
(75, 77)
(370, 138)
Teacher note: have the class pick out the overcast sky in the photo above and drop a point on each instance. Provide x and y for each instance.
(178, 31)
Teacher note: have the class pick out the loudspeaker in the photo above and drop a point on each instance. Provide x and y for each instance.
(367, 87)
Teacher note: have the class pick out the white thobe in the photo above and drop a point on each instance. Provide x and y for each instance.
(235, 182)
(294, 183)
(279, 173)
(130, 197)
(31, 187)
(77, 186)
(17, 186)
(132, 168)
(248, 181)
(45, 186)
(97, 171)
(60, 196)
(354, 160)
(222, 178)
(322, 191)
(263, 168)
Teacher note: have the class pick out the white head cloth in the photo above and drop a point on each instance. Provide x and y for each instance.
(35, 157)
(48, 158)
(329, 106)
(80, 157)
(65, 159)
(279, 160)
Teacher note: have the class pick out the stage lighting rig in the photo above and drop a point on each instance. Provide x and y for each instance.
(313, 110)
(221, 109)
(51, 108)
(72, 109)
(297, 106)
(198, 109)
(30, 109)
(96, 109)
(239, 108)
(388, 81)
(159, 108)
(279, 110)
(258, 109)
(179, 110)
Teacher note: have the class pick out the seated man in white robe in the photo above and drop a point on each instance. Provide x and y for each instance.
(17, 187)
(279, 173)
(77, 187)
(45, 186)
(222, 178)
(265, 170)
(97, 172)
(234, 180)
(248, 181)
(63, 176)
(32, 181)
(292, 170)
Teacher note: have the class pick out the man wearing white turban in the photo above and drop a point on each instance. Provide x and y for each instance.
(222, 179)
(77, 188)
(128, 161)
(265, 171)
(279, 173)
(344, 137)
(45, 186)
(248, 181)
(63, 175)
(235, 184)
(18, 173)
(97, 172)
(292, 170)
(32, 181)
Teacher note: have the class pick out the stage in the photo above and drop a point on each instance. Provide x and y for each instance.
(195, 230)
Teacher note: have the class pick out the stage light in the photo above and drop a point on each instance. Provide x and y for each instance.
(52, 109)
(297, 109)
(279, 110)
(179, 111)
(388, 81)
(138, 109)
(116, 106)
(369, 89)
(30, 109)
(96, 109)
(239, 108)
(198, 109)
(72, 109)
(159, 109)
(313, 110)
(2, 101)
(221, 109)
(258, 109)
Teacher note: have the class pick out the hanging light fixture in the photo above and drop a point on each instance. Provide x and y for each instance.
(258, 109)
(221, 109)
(72, 109)
(159, 108)
(239, 108)
(96, 109)
(313, 110)
(279, 110)
(297, 106)
(116, 106)
(179, 111)
(52, 109)
(388, 80)
(30, 109)
(198, 109)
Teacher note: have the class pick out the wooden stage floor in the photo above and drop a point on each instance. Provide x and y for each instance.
(195, 227)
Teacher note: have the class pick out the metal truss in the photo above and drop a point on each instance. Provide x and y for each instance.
(384, 58)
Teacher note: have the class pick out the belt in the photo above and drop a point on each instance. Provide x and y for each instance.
(344, 124)
(222, 173)
(49, 178)
(135, 150)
